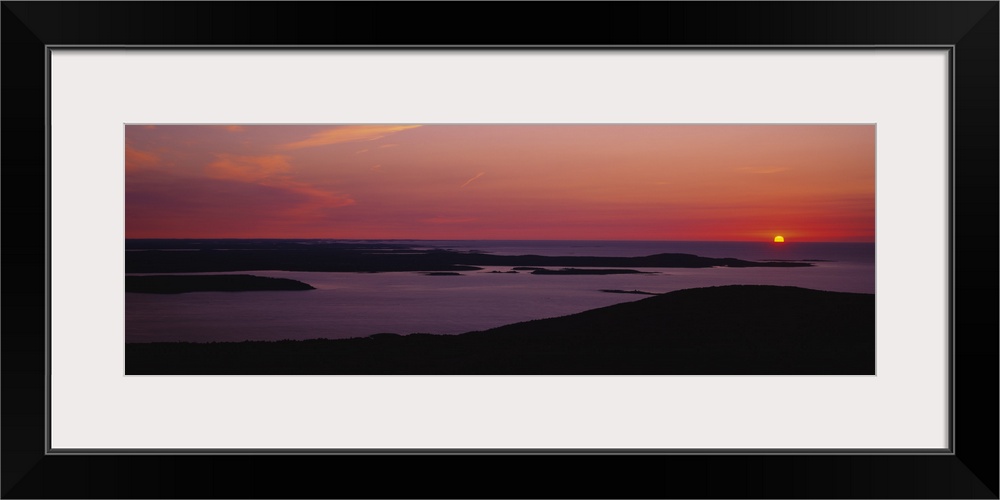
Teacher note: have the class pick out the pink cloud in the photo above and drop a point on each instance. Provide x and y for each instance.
(136, 159)
(274, 171)
(248, 168)
(350, 133)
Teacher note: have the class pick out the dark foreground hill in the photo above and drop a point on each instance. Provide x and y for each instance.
(730, 330)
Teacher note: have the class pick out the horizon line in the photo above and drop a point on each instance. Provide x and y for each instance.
(494, 239)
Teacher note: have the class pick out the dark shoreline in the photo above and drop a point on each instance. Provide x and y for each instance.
(730, 330)
(637, 292)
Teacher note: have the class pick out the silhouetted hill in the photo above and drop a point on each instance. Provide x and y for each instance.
(730, 330)
(209, 283)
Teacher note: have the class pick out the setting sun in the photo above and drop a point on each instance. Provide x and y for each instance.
(779, 239)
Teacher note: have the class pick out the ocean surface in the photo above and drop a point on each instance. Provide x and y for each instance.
(348, 305)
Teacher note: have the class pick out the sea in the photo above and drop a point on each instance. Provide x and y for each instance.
(346, 305)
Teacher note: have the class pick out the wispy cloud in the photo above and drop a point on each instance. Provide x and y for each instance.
(136, 159)
(375, 168)
(235, 128)
(480, 174)
(351, 133)
(273, 171)
(248, 168)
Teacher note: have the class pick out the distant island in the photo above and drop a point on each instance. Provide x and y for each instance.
(180, 256)
(727, 330)
(568, 271)
(209, 283)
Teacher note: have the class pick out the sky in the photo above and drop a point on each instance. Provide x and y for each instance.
(524, 182)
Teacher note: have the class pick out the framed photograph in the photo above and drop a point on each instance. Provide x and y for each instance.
(390, 250)
(698, 253)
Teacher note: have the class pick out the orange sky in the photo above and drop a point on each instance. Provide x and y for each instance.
(588, 182)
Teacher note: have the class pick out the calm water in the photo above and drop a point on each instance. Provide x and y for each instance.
(358, 304)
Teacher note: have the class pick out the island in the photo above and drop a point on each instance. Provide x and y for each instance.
(569, 271)
(153, 256)
(181, 283)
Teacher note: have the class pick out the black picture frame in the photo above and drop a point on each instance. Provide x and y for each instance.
(969, 28)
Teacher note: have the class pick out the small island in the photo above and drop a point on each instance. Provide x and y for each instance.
(209, 283)
(587, 272)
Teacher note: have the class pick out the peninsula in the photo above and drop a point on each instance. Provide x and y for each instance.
(209, 283)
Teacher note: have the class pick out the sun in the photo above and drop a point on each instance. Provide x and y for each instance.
(779, 239)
